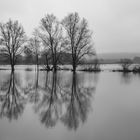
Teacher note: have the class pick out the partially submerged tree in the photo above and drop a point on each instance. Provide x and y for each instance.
(79, 38)
(125, 63)
(50, 33)
(12, 39)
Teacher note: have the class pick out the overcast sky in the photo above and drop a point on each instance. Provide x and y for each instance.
(115, 23)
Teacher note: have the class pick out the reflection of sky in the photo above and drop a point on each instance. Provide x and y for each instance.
(115, 107)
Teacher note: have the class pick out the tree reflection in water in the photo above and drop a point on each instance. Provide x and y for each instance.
(11, 98)
(69, 102)
(126, 77)
(64, 98)
(77, 102)
(33, 89)
(49, 106)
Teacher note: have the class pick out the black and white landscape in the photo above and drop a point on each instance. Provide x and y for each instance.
(69, 70)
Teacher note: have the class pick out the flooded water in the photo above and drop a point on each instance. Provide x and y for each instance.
(65, 106)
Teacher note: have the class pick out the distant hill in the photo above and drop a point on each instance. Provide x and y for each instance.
(118, 55)
(104, 58)
(110, 58)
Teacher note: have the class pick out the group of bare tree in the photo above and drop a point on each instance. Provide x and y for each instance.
(52, 38)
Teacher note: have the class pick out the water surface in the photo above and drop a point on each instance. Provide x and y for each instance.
(59, 106)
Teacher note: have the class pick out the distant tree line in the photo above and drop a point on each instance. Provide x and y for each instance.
(54, 42)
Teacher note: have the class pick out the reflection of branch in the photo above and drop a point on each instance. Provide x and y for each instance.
(49, 105)
(33, 90)
(78, 105)
(126, 78)
(11, 99)
(69, 102)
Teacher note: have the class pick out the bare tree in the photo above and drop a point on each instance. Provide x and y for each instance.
(79, 38)
(34, 46)
(12, 39)
(50, 33)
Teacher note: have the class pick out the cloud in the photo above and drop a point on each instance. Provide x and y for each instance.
(12, 6)
(115, 23)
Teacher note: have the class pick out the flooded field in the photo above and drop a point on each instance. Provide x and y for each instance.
(59, 106)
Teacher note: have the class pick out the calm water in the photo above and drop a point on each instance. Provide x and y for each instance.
(65, 106)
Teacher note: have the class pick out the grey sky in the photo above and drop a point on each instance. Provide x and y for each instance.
(115, 23)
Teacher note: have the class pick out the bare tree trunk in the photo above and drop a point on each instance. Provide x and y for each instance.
(54, 68)
(37, 62)
(47, 62)
(74, 65)
(12, 64)
(12, 67)
(74, 68)
(54, 62)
